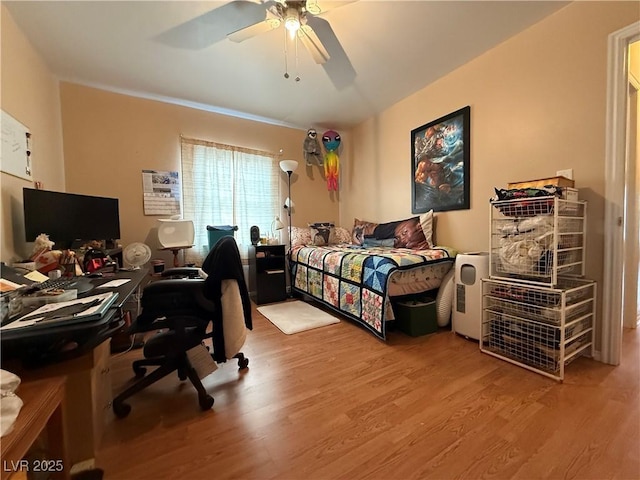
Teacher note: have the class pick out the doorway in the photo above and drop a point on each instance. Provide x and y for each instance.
(621, 241)
(631, 293)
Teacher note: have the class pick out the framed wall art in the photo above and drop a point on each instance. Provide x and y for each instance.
(440, 163)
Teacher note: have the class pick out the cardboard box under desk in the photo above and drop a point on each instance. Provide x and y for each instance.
(416, 317)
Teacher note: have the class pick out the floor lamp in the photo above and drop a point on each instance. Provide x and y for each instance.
(289, 166)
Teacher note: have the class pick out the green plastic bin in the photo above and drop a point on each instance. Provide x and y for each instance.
(216, 232)
(416, 317)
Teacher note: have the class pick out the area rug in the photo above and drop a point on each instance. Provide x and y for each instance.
(295, 317)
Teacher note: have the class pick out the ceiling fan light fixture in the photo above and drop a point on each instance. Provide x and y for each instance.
(292, 20)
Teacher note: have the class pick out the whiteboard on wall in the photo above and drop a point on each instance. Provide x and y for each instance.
(15, 153)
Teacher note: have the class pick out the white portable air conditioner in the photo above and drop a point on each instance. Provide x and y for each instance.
(466, 317)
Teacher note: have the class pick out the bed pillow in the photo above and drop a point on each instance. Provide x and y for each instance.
(407, 233)
(300, 236)
(342, 235)
(415, 233)
(361, 229)
(426, 222)
(322, 233)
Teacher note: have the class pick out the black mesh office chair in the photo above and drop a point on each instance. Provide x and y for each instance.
(181, 307)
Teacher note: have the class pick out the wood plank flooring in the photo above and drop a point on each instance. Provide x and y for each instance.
(337, 403)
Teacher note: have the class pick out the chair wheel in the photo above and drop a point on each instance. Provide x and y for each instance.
(121, 409)
(139, 372)
(243, 363)
(206, 402)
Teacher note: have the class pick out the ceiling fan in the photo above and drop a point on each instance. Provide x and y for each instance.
(295, 15)
(240, 20)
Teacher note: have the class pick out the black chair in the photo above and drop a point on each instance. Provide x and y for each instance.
(181, 306)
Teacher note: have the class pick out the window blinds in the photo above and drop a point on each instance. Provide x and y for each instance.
(227, 185)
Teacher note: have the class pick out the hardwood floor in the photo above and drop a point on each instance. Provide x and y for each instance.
(336, 403)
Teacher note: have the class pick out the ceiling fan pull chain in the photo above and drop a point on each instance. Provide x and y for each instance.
(286, 68)
(297, 71)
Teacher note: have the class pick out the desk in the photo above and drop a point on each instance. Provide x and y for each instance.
(42, 409)
(42, 354)
(43, 346)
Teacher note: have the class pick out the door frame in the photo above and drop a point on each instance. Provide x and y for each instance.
(615, 184)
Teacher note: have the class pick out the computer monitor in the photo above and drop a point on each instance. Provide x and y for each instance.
(70, 219)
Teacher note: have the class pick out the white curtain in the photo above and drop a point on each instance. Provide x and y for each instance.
(227, 185)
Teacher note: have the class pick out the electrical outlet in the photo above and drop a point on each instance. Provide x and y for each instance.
(568, 173)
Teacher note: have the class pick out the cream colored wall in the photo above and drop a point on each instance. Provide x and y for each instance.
(538, 104)
(29, 93)
(110, 138)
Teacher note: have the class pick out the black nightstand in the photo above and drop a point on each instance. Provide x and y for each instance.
(267, 279)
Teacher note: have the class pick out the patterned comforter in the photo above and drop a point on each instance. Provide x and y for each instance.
(354, 280)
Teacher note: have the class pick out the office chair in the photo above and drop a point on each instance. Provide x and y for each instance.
(181, 306)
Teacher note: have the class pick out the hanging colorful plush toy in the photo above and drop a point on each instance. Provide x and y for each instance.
(331, 142)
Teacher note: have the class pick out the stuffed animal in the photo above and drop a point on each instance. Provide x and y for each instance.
(331, 142)
(311, 148)
(45, 258)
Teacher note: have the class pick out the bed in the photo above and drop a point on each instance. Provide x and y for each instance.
(358, 278)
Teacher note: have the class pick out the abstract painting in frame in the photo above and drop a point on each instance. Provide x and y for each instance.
(440, 163)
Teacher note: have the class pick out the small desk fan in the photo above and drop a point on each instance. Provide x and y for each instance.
(136, 254)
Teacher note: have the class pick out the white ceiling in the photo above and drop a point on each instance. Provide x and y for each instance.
(164, 50)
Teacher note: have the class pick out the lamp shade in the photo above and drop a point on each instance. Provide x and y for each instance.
(277, 224)
(288, 165)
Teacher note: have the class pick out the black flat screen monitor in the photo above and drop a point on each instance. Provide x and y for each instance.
(69, 219)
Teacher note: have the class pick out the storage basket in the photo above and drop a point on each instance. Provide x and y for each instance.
(539, 328)
(217, 232)
(537, 239)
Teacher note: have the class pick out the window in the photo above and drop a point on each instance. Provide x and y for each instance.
(226, 185)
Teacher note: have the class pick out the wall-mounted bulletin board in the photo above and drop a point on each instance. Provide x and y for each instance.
(15, 153)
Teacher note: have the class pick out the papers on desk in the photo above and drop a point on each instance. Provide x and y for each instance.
(8, 285)
(64, 313)
(36, 276)
(114, 283)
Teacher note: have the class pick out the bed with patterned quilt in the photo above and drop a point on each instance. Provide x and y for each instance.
(358, 277)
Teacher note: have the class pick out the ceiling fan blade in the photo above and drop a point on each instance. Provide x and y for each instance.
(314, 8)
(213, 26)
(271, 23)
(313, 44)
(338, 67)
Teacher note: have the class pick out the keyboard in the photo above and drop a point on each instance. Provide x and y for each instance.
(82, 285)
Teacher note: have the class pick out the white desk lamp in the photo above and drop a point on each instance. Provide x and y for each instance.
(276, 226)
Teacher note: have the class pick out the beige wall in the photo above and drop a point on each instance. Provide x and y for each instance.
(30, 95)
(538, 104)
(110, 138)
